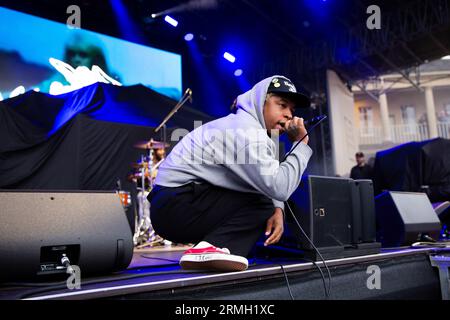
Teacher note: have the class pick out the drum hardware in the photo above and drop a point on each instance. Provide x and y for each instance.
(145, 173)
(147, 145)
(125, 198)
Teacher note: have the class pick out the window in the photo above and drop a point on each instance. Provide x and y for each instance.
(447, 112)
(408, 114)
(366, 121)
(392, 120)
(409, 119)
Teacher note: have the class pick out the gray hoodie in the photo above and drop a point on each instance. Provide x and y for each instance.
(235, 152)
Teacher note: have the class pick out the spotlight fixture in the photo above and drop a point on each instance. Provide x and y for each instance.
(171, 21)
(189, 37)
(238, 72)
(229, 57)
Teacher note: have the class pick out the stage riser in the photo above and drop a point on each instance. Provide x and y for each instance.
(404, 274)
(402, 278)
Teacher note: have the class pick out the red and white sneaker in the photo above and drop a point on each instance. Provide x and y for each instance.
(205, 256)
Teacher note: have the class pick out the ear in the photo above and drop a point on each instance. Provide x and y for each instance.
(264, 106)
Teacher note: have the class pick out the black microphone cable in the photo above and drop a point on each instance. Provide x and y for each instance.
(327, 291)
(314, 123)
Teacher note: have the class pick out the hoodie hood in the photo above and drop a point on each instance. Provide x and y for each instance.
(252, 101)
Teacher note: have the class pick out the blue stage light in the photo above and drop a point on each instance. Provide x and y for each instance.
(189, 37)
(171, 21)
(238, 72)
(229, 57)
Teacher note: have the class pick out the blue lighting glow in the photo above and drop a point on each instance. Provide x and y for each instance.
(238, 72)
(320, 10)
(229, 57)
(210, 86)
(128, 27)
(171, 21)
(189, 37)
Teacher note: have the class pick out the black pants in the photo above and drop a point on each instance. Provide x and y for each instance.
(203, 212)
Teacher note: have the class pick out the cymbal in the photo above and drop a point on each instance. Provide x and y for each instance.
(136, 176)
(132, 177)
(151, 145)
(140, 164)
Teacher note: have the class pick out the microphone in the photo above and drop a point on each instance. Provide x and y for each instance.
(310, 122)
(315, 120)
(188, 92)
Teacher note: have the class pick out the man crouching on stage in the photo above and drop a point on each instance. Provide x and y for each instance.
(222, 185)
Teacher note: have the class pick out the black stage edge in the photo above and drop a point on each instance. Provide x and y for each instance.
(404, 274)
(327, 253)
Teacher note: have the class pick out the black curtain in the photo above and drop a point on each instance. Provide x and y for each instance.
(414, 165)
(82, 140)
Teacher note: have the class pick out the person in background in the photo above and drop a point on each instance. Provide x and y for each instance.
(362, 170)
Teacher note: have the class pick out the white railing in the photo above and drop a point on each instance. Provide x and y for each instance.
(402, 133)
(409, 132)
(444, 129)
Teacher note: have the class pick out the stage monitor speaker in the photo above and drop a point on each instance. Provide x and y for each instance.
(338, 216)
(37, 228)
(366, 212)
(324, 208)
(402, 217)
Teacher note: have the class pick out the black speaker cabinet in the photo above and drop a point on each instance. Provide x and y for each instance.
(337, 214)
(403, 216)
(366, 214)
(37, 228)
(325, 211)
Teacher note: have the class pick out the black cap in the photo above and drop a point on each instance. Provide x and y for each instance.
(286, 88)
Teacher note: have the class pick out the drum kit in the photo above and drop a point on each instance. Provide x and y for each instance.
(143, 176)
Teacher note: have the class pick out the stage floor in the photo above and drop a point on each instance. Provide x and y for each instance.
(154, 274)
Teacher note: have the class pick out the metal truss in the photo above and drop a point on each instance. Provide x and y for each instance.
(414, 19)
(417, 18)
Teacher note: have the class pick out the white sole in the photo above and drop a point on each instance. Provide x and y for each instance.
(216, 262)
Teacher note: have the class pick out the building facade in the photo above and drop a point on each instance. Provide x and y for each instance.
(392, 109)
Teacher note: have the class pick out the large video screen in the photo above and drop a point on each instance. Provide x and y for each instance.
(27, 42)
